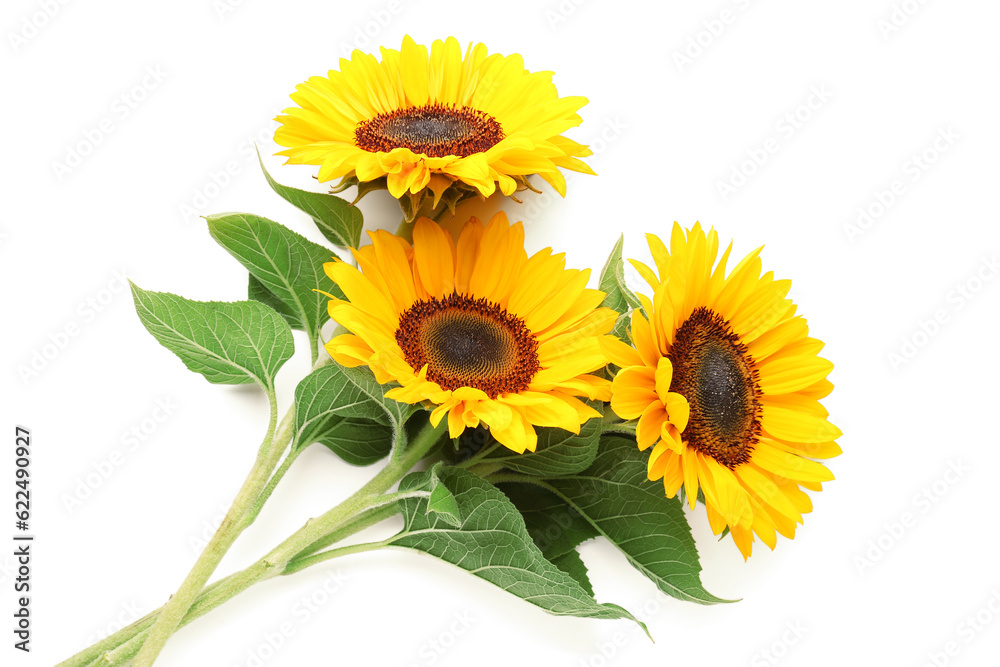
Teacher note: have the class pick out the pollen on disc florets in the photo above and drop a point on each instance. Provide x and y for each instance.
(468, 342)
(436, 130)
(714, 371)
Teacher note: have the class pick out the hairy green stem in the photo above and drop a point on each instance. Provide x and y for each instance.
(300, 564)
(258, 504)
(365, 508)
(621, 428)
(121, 647)
(478, 456)
(321, 526)
(232, 525)
(365, 519)
(512, 477)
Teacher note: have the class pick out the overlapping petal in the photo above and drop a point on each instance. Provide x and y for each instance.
(761, 494)
(322, 128)
(486, 263)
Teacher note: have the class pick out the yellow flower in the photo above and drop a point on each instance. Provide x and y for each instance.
(429, 119)
(476, 329)
(725, 383)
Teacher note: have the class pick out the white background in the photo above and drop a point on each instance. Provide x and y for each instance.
(856, 589)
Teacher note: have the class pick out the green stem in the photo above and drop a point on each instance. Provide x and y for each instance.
(300, 564)
(122, 646)
(314, 346)
(211, 598)
(249, 502)
(478, 456)
(317, 528)
(365, 519)
(424, 203)
(621, 428)
(258, 504)
(363, 509)
(486, 468)
(233, 524)
(512, 477)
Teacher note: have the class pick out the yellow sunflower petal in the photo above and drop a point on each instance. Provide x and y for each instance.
(722, 350)
(433, 258)
(797, 426)
(789, 465)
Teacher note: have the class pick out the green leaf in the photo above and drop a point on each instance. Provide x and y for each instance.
(554, 526)
(337, 406)
(571, 563)
(559, 452)
(612, 283)
(360, 442)
(617, 498)
(493, 544)
(442, 501)
(228, 343)
(256, 291)
(338, 220)
(286, 264)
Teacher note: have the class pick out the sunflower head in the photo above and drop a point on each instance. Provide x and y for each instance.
(434, 120)
(725, 383)
(475, 329)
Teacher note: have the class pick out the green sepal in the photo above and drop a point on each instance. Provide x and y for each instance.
(618, 295)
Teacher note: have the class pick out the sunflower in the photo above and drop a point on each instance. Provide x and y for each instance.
(725, 383)
(424, 120)
(476, 329)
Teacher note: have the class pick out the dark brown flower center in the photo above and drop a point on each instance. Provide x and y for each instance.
(434, 130)
(466, 342)
(716, 374)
